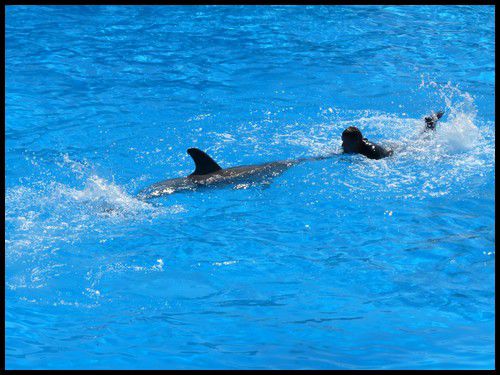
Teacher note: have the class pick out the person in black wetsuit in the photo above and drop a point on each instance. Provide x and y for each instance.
(354, 143)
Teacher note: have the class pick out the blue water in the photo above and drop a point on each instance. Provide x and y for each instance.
(342, 263)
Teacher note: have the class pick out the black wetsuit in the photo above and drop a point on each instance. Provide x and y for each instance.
(370, 150)
(373, 151)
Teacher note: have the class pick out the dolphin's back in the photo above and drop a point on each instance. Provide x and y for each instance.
(208, 173)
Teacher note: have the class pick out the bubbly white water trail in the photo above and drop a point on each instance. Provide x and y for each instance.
(43, 214)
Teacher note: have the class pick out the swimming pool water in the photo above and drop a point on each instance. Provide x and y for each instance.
(342, 263)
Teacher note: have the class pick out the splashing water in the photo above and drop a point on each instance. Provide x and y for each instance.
(48, 212)
(338, 263)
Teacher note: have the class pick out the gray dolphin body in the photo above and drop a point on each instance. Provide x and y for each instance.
(208, 173)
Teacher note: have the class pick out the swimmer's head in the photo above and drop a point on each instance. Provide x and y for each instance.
(352, 140)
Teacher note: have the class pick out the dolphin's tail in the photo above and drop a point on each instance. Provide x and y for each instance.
(430, 121)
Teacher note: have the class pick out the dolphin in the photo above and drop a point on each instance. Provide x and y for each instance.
(208, 173)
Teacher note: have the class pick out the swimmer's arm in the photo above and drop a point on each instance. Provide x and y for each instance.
(430, 121)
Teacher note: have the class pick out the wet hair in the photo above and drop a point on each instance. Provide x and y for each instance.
(351, 134)
(352, 140)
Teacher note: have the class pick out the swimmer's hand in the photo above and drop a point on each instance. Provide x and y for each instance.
(430, 121)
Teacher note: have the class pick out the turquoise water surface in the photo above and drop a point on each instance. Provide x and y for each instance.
(344, 263)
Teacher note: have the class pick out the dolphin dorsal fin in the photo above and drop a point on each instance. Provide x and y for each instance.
(204, 163)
